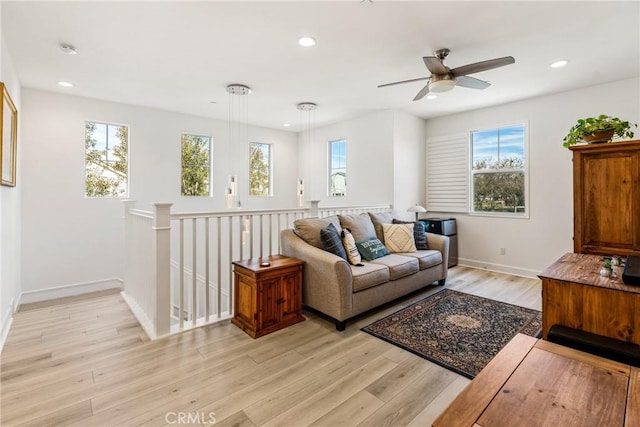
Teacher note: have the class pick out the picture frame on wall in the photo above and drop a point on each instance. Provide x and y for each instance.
(9, 138)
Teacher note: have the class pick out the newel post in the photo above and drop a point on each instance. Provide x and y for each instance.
(314, 212)
(161, 251)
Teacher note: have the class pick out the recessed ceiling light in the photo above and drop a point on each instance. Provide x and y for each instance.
(307, 41)
(68, 49)
(559, 64)
(65, 84)
(432, 96)
(286, 125)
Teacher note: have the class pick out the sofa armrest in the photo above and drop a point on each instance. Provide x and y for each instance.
(327, 282)
(440, 243)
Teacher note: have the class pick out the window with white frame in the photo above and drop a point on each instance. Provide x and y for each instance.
(498, 170)
(338, 168)
(260, 169)
(196, 165)
(106, 159)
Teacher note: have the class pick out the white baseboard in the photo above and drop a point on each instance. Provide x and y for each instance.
(500, 268)
(69, 290)
(139, 313)
(6, 325)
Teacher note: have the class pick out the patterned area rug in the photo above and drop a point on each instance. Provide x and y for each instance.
(459, 331)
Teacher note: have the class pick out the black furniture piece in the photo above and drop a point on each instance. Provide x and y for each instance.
(445, 227)
(631, 273)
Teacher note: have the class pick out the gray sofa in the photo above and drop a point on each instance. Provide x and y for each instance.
(331, 285)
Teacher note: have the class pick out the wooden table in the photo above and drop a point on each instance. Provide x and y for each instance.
(576, 296)
(533, 382)
(267, 294)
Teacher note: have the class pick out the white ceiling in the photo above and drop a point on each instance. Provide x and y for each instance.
(180, 56)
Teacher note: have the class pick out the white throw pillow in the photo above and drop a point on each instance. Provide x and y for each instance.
(350, 246)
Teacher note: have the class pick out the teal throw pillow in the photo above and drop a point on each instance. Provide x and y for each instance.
(372, 249)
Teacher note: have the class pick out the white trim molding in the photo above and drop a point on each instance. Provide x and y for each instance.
(70, 290)
(499, 268)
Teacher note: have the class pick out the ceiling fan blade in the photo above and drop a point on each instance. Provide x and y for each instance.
(482, 66)
(471, 82)
(404, 81)
(422, 93)
(435, 65)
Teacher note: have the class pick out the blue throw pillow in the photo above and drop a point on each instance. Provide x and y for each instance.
(372, 249)
(419, 233)
(331, 241)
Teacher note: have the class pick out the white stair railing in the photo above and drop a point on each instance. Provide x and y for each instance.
(178, 267)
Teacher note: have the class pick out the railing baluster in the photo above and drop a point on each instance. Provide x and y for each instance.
(261, 235)
(206, 270)
(194, 271)
(181, 291)
(219, 267)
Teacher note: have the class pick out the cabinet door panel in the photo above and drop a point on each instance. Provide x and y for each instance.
(290, 296)
(269, 310)
(245, 301)
(608, 202)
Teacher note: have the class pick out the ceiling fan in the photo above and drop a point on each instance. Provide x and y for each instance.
(444, 78)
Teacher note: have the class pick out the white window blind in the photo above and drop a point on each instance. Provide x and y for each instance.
(448, 174)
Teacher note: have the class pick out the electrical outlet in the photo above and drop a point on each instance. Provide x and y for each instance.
(503, 251)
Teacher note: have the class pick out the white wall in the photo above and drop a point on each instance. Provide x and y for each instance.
(409, 162)
(369, 160)
(534, 243)
(10, 209)
(68, 239)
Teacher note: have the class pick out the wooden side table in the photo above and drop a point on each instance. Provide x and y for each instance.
(576, 296)
(267, 294)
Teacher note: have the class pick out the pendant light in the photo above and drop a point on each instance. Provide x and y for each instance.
(238, 135)
(307, 113)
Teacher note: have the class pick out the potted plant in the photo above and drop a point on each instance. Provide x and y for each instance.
(606, 268)
(598, 129)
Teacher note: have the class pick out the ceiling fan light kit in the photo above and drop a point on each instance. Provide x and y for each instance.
(443, 78)
(441, 84)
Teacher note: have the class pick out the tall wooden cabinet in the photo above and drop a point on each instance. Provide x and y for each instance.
(267, 294)
(606, 198)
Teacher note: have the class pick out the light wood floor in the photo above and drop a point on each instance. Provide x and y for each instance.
(87, 362)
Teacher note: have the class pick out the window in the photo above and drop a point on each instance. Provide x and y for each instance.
(106, 159)
(338, 168)
(259, 169)
(196, 165)
(498, 173)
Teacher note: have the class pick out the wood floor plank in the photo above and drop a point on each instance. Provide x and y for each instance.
(296, 392)
(61, 416)
(86, 361)
(350, 412)
(272, 385)
(440, 403)
(386, 387)
(407, 404)
(323, 402)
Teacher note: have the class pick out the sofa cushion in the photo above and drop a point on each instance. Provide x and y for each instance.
(399, 265)
(419, 233)
(378, 219)
(372, 249)
(399, 237)
(332, 242)
(350, 247)
(426, 259)
(368, 275)
(308, 229)
(360, 225)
